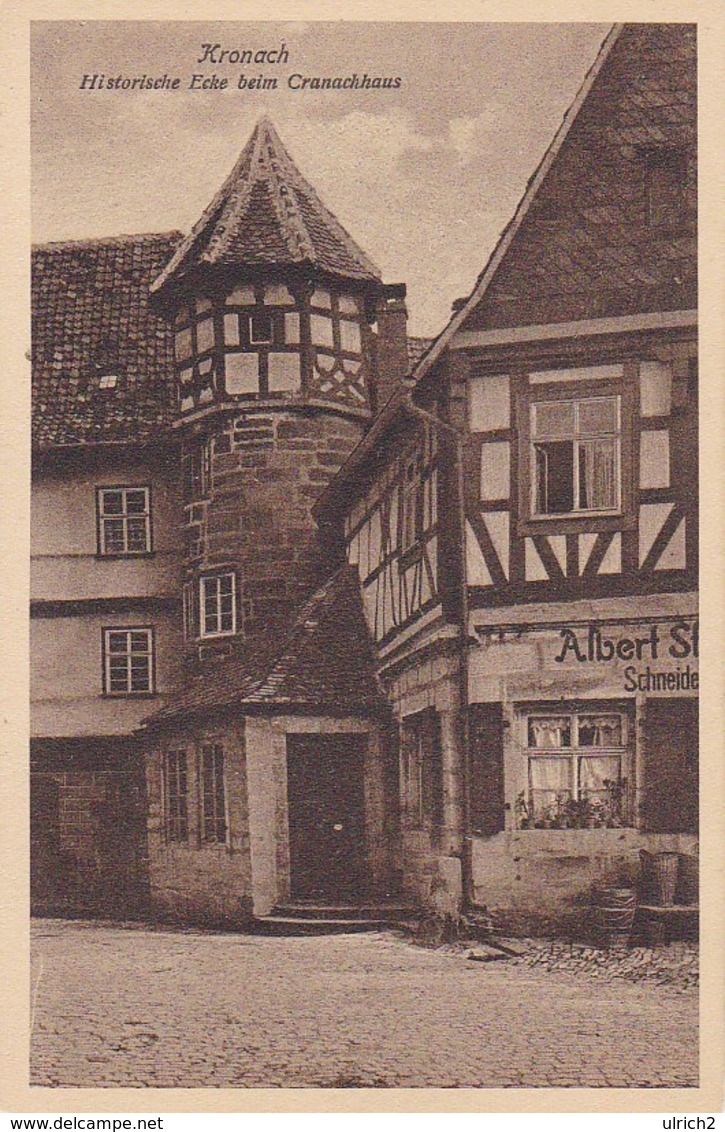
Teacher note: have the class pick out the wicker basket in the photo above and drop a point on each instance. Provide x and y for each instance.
(688, 878)
(659, 877)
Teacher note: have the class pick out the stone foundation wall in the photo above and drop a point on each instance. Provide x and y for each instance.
(431, 867)
(88, 843)
(193, 880)
(250, 873)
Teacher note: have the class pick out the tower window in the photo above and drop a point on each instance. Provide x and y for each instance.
(218, 605)
(260, 330)
(196, 470)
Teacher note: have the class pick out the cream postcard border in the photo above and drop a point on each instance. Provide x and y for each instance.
(15, 1094)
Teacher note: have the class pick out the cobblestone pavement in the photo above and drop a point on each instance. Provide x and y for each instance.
(136, 1006)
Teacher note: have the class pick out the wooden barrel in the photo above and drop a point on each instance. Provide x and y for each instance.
(613, 914)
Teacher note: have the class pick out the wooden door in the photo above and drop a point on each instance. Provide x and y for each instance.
(325, 785)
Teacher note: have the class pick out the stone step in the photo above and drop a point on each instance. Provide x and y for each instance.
(363, 911)
(296, 925)
(326, 919)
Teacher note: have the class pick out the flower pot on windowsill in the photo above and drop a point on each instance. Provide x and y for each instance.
(527, 823)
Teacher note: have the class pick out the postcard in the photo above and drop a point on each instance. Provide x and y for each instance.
(361, 416)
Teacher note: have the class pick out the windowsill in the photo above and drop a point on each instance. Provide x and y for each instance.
(584, 513)
(104, 557)
(573, 842)
(203, 638)
(129, 695)
(579, 523)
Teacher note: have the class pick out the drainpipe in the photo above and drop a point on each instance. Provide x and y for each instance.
(463, 730)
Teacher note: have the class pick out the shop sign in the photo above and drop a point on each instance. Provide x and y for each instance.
(659, 657)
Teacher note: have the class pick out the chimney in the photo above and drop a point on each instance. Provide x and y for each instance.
(392, 342)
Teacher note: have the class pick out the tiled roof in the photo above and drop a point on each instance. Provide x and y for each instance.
(266, 214)
(325, 662)
(91, 317)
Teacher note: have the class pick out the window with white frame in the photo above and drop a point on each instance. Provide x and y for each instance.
(176, 804)
(575, 768)
(124, 520)
(211, 788)
(128, 660)
(575, 456)
(218, 604)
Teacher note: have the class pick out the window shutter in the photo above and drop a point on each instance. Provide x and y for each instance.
(670, 795)
(486, 768)
(430, 723)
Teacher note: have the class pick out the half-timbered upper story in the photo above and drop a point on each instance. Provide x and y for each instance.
(391, 510)
(571, 371)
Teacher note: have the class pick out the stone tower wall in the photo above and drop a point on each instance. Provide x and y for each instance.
(264, 472)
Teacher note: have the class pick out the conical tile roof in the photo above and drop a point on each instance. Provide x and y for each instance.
(266, 214)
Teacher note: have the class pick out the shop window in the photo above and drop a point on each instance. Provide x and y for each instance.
(575, 769)
(124, 520)
(176, 799)
(575, 456)
(211, 786)
(218, 605)
(423, 770)
(665, 179)
(128, 656)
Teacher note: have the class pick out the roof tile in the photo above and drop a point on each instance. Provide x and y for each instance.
(90, 316)
(267, 214)
(325, 662)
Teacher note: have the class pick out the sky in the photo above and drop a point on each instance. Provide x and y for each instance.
(424, 176)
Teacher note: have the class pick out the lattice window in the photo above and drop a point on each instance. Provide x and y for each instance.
(211, 785)
(176, 796)
(128, 661)
(575, 767)
(218, 604)
(575, 456)
(124, 520)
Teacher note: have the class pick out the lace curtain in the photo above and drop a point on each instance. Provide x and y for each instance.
(550, 732)
(597, 475)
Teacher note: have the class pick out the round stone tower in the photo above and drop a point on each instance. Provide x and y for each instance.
(286, 343)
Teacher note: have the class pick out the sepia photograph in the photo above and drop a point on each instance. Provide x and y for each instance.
(364, 556)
